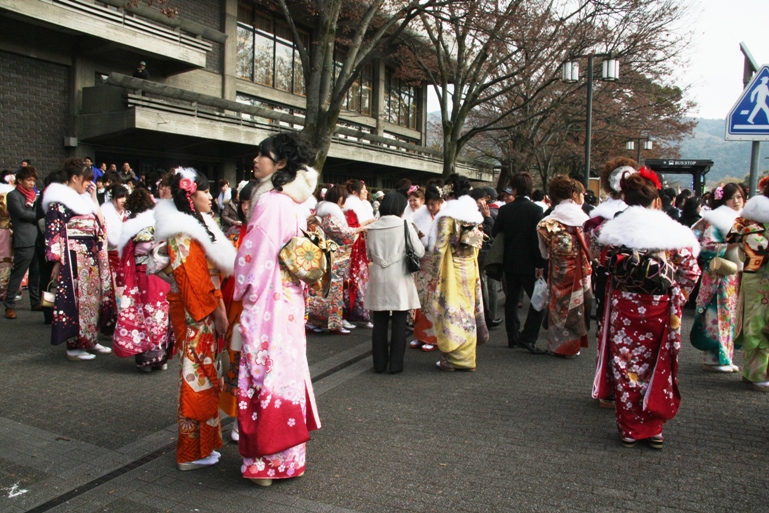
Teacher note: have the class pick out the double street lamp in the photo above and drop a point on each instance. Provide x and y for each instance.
(647, 145)
(609, 73)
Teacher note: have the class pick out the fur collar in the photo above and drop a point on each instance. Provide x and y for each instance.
(424, 222)
(722, 218)
(263, 187)
(169, 222)
(757, 209)
(608, 209)
(113, 221)
(80, 204)
(363, 209)
(327, 208)
(643, 228)
(303, 185)
(464, 209)
(568, 213)
(6, 188)
(133, 226)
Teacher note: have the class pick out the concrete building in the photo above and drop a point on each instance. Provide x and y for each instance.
(224, 74)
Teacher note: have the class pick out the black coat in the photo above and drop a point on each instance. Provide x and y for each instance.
(23, 219)
(518, 221)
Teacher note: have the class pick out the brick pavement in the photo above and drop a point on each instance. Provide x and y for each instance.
(520, 434)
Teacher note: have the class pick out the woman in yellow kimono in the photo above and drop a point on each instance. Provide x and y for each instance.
(199, 255)
(457, 305)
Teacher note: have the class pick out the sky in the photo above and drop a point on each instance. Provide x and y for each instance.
(715, 61)
(714, 70)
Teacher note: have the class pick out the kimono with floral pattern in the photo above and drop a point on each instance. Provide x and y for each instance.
(329, 311)
(6, 245)
(276, 404)
(84, 299)
(639, 346)
(193, 298)
(427, 281)
(569, 306)
(754, 297)
(228, 396)
(357, 275)
(457, 304)
(143, 327)
(717, 320)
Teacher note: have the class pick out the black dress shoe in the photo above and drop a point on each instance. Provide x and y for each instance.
(496, 322)
(530, 347)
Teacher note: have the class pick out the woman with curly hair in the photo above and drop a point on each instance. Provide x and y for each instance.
(458, 303)
(717, 320)
(359, 213)
(652, 262)
(76, 242)
(276, 404)
(142, 328)
(562, 242)
(200, 255)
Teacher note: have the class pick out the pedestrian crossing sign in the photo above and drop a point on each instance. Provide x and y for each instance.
(749, 118)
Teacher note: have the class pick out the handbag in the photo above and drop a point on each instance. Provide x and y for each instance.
(309, 258)
(412, 260)
(49, 296)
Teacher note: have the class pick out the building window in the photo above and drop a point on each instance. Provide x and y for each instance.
(358, 98)
(401, 102)
(267, 54)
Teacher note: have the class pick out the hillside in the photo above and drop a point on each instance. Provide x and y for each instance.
(731, 158)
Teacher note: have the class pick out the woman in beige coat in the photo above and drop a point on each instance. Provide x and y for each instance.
(391, 289)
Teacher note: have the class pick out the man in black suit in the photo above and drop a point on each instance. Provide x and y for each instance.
(21, 208)
(523, 263)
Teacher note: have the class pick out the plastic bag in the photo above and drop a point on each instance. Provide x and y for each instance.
(540, 295)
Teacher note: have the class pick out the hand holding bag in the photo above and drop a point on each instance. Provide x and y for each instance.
(412, 260)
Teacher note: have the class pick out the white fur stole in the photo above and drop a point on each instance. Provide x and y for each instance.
(133, 226)
(113, 221)
(757, 209)
(328, 208)
(643, 228)
(608, 209)
(355, 204)
(464, 209)
(569, 214)
(722, 218)
(169, 222)
(80, 204)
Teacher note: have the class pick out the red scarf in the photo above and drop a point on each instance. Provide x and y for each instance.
(30, 194)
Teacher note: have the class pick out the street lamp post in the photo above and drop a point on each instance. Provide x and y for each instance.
(609, 73)
(647, 145)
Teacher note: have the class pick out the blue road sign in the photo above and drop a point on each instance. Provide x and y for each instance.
(749, 118)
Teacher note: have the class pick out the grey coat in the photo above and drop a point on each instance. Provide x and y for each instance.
(391, 286)
(23, 219)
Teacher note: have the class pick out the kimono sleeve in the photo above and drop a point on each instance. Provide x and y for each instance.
(336, 232)
(55, 234)
(199, 295)
(255, 265)
(688, 270)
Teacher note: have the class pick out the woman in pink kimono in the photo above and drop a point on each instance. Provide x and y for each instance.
(276, 405)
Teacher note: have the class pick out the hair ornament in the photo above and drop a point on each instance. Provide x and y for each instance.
(446, 190)
(412, 189)
(718, 193)
(650, 175)
(616, 176)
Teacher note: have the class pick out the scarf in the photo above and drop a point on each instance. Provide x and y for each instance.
(568, 213)
(30, 195)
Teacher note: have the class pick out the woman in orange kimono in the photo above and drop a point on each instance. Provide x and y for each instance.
(199, 255)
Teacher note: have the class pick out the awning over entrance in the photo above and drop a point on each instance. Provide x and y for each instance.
(697, 168)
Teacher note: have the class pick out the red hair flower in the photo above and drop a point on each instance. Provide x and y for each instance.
(650, 175)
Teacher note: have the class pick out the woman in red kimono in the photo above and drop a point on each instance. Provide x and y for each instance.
(142, 329)
(199, 255)
(652, 262)
(359, 213)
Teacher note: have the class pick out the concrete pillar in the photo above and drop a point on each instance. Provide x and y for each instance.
(228, 170)
(82, 74)
(229, 59)
(379, 96)
(422, 123)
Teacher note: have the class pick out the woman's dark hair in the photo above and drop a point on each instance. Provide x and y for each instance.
(140, 200)
(26, 172)
(638, 191)
(730, 190)
(292, 148)
(222, 182)
(243, 196)
(118, 191)
(690, 206)
(538, 195)
(418, 193)
(334, 193)
(610, 166)
(56, 177)
(179, 197)
(521, 183)
(402, 186)
(432, 193)
(459, 185)
(393, 204)
(74, 166)
(354, 185)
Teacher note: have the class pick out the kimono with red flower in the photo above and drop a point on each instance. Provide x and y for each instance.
(276, 404)
(198, 264)
(652, 261)
(357, 212)
(143, 328)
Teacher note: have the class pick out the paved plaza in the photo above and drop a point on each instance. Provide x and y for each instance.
(520, 434)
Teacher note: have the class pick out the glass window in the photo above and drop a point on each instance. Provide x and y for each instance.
(245, 66)
(401, 102)
(284, 66)
(263, 59)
